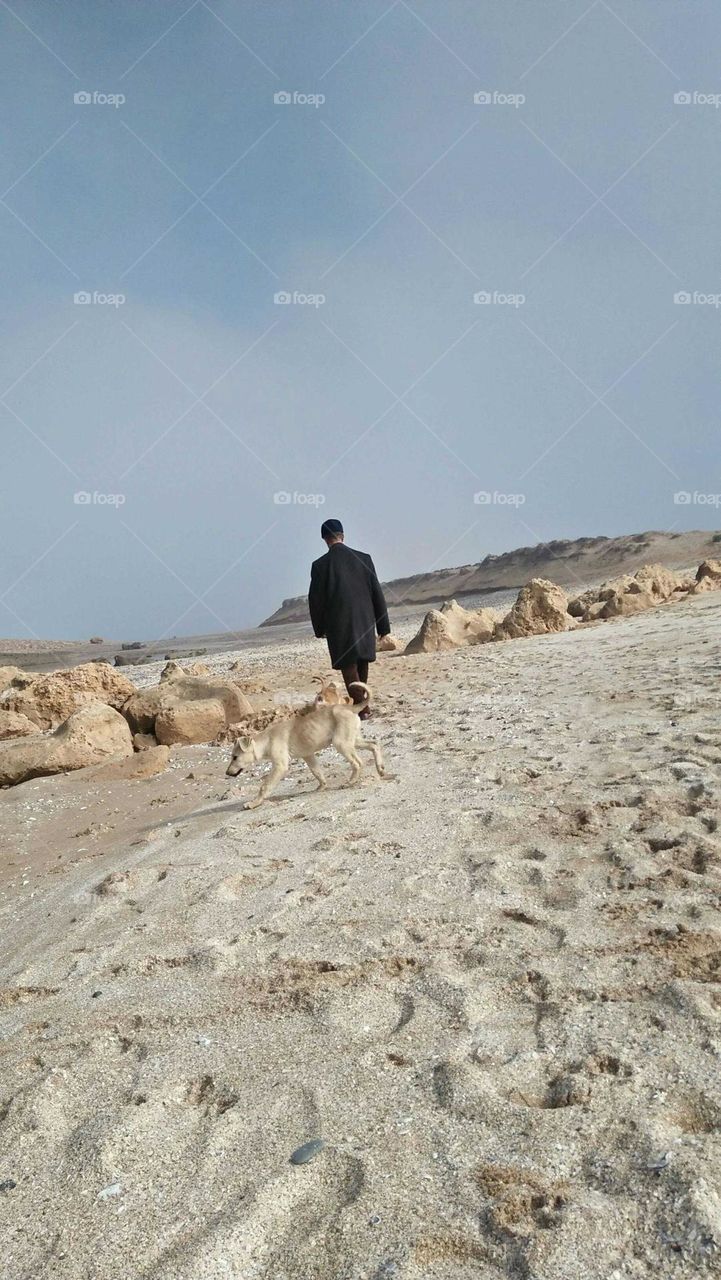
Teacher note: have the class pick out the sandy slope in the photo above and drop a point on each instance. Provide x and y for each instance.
(492, 984)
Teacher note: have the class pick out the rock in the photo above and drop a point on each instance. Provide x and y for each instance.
(97, 640)
(114, 1189)
(198, 721)
(541, 608)
(621, 606)
(144, 741)
(135, 644)
(91, 734)
(708, 578)
(709, 569)
(616, 586)
(303, 1154)
(145, 705)
(579, 604)
(173, 670)
(657, 580)
(15, 725)
(387, 644)
(434, 635)
(144, 764)
(450, 626)
(594, 611)
(125, 660)
(9, 674)
(49, 699)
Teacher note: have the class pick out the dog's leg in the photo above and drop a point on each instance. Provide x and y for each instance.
(315, 770)
(269, 784)
(347, 749)
(377, 754)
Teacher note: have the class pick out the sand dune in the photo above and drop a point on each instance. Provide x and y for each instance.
(490, 984)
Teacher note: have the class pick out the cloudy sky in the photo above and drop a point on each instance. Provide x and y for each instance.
(484, 295)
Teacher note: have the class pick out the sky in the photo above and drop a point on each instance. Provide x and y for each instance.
(450, 272)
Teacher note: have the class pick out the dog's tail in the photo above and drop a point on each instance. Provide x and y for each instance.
(359, 706)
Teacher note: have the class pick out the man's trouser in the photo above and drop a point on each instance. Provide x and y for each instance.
(356, 671)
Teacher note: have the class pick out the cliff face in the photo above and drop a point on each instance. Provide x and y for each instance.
(567, 562)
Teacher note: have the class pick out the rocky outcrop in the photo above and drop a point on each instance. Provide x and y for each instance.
(171, 701)
(9, 675)
(97, 640)
(91, 734)
(15, 725)
(451, 626)
(541, 608)
(48, 700)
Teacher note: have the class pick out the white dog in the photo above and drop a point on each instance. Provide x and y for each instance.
(302, 737)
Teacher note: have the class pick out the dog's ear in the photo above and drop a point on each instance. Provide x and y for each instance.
(242, 743)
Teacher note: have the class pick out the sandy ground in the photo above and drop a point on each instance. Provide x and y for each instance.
(491, 984)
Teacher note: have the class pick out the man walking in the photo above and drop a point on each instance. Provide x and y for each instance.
(347, 607)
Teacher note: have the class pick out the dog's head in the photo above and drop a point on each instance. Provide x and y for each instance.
(243, 756)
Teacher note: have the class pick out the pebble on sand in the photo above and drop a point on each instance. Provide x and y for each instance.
(308, 1151)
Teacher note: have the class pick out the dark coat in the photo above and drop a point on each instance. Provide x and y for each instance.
(347, 605)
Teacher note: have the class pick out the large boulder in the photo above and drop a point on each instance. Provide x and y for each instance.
(451, 626)
(177, 691)
(198, 721)
(623, 606)
(657, 580)
(708, 578)
(541, 608)
(91, 734)
(580, 604)
(15, 725)
(97, 640)
(48, 700)
(433, 636)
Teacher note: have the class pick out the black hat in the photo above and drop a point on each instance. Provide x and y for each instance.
(330, 528)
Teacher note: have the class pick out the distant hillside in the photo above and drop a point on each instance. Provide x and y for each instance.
(566, 562)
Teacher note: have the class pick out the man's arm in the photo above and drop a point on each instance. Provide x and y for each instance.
(380, 609)
(316, 602)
